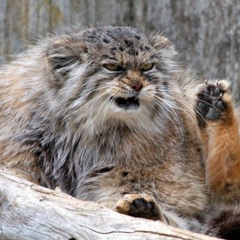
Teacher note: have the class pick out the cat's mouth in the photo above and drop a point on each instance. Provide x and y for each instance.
(127, 103)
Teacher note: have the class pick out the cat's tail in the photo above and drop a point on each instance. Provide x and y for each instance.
(226, 225)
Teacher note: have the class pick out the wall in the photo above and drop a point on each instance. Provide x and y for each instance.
(205, 32)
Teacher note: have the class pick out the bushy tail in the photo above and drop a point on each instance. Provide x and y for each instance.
(226, 225)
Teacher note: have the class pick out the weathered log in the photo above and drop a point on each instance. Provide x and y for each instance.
(30, 212)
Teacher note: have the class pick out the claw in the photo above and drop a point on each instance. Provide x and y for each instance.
(220, 96)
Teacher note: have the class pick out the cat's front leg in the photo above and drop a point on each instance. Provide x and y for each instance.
(218, 122)
(139, 205)
(144, 206)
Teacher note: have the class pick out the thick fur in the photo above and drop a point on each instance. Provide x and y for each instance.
(221, 132)
(127, 137)
(226, 225)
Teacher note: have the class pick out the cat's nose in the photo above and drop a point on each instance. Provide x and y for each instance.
(137, 86)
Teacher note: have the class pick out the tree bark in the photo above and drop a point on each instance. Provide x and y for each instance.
(31, 212)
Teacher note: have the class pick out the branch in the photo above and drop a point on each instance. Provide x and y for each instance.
(30, 212)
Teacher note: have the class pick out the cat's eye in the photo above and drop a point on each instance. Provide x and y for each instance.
(113, 67)
(147, 67)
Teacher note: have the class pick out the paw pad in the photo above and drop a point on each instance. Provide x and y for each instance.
(138, 205)
(210, 104)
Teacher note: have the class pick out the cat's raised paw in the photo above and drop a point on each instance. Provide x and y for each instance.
(212, 101)
(139, 205)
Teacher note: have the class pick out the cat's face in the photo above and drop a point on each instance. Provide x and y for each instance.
(112, 72)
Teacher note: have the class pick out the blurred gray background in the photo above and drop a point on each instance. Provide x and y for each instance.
(205, 32)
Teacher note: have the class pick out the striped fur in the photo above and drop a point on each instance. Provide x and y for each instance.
(67, 120)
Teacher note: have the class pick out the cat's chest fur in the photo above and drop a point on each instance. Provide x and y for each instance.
(122, 145)
(121, 160)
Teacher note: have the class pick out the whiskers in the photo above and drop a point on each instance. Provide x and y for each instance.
(171, 112)
(101, 114)
(86, 106)
(96, 106)
(188, 103)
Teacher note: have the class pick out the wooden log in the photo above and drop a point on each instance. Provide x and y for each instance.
(31, 212)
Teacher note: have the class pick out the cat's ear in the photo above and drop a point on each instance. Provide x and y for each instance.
(63, 56)
(162, 43)
(166, 52)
